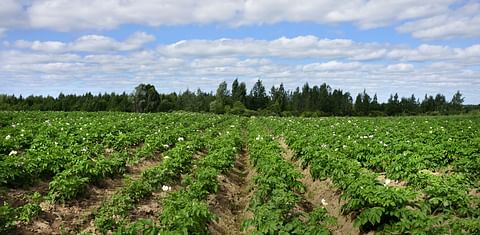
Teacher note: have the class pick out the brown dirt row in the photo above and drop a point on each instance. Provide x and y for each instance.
(230, 203)
(147, 208)
(76, 215)
(317, 191)
(151, 207)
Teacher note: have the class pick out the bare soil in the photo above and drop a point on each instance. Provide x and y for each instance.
(230, 203)
(16, 197)
(317, 190)
(76, 215)
(149, 208)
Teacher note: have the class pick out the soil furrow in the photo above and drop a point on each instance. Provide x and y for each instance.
(230, 203)
(321, 194)
(75, 215)
(151, 207)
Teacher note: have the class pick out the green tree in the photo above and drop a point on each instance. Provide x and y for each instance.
(375, 106)
(279, 99)
(457, 101)
(325, 101)
(393, 105)
(440, 103)
(146, 98)
(239, 91)
(218, 105)
(258, 96)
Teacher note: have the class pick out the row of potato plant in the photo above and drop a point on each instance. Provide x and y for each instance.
(176, 161)
(85, 170)
(57, 140)
(186, 210)
(277, 190)
(427, 202)
(101, 146)
(41, 145)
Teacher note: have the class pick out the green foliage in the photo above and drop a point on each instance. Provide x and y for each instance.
(145, 225)
(7, 217)
(277, 189)
(429, 164)
(181, 212)
(66, 187)
(396, 175)
(30, 210)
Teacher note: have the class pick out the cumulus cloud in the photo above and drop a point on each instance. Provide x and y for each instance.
(402, 68)
(333, 66)
(12, 14)
(220, 51)
(366, 14)
(426, 52)
(79, 14)
(89, 43)
(462, 22)
(87, 14)
(92, 62)
(428, 19)
(312, 47)
(296, 47)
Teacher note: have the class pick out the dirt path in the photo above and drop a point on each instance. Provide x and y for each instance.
(151, 207)
(76, 215)
(316, 191)
(230, 203)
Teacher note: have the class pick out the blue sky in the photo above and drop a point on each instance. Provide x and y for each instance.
(76, 46)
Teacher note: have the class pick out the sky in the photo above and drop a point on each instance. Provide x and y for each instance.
(382, 46)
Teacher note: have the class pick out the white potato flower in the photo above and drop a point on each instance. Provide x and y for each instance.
(324, 202)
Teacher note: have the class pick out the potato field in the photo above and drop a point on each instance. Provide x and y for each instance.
(186, 173)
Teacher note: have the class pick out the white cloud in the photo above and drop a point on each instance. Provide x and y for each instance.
(462, 22)
(402, 68)
(427, 19)
(95, 62)
(426, 52)
(90, 14)
(87, 14)
(12, 14)
(89, 43)
(331, 66)
(297, 47)
(47, 46)
(301, 47)
(114, 71)
(366, 14)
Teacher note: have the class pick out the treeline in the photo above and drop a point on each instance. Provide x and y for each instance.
(305, 101)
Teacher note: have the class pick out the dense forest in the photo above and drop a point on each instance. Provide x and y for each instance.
(305, 101)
